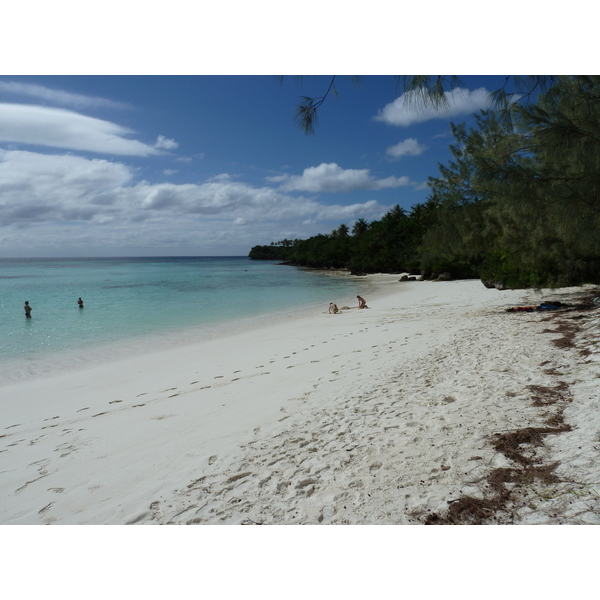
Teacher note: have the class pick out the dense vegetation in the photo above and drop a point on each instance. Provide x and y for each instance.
(388, 245)
(518, 206)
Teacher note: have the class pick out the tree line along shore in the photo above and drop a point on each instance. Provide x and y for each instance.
(518, 205)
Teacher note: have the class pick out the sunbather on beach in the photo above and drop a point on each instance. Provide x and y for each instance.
(361, 302)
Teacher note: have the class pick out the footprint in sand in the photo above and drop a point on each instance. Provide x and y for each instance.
(193, 382)
(11, 426)
(102, 413)
(173, 395)
(46, 508)
(212, 459)
(115, 401)
(219, 377)
(135, 406)
(86, 408)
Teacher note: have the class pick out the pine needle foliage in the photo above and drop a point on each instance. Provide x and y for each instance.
(526, 194)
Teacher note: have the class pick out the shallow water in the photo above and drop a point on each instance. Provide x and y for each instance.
(138, 302)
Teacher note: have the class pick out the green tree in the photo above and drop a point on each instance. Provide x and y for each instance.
(360, 227)
(520, 201)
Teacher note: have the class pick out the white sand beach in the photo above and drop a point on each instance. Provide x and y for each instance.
(387, 415)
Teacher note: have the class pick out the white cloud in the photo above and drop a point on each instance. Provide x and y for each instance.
(58, 96)
(165, 143)
(408, 147)
(221, 177)
(278, 178)
(60, 128)
(329, 177)
(352, 211)
(36, 187)
(170, 171)
(61, 202)
(408, 109)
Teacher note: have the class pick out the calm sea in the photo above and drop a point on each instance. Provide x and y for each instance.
(131, 304)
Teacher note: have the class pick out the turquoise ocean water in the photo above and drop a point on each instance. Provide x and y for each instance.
(137, 303)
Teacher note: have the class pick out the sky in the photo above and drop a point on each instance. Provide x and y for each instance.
(171, 135)
(208, 165)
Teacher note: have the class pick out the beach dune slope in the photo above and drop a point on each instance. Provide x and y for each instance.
(434, 405)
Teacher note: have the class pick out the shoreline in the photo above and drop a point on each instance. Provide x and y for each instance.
(37, 364)
(372, 416)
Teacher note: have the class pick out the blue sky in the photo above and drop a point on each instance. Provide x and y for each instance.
(101, 156)
(207, 165)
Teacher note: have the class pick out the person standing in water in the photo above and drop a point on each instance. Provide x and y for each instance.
(80, 302)
(27, 310)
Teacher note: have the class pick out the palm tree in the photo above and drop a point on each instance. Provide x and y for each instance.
(361, 226)
(395, 214)
(342, 231)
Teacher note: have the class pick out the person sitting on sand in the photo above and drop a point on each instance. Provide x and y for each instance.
(361, 302)
(27, 310)
(333, 309)
(80, 302)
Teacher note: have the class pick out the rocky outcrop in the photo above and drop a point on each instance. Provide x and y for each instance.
(489, 283)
